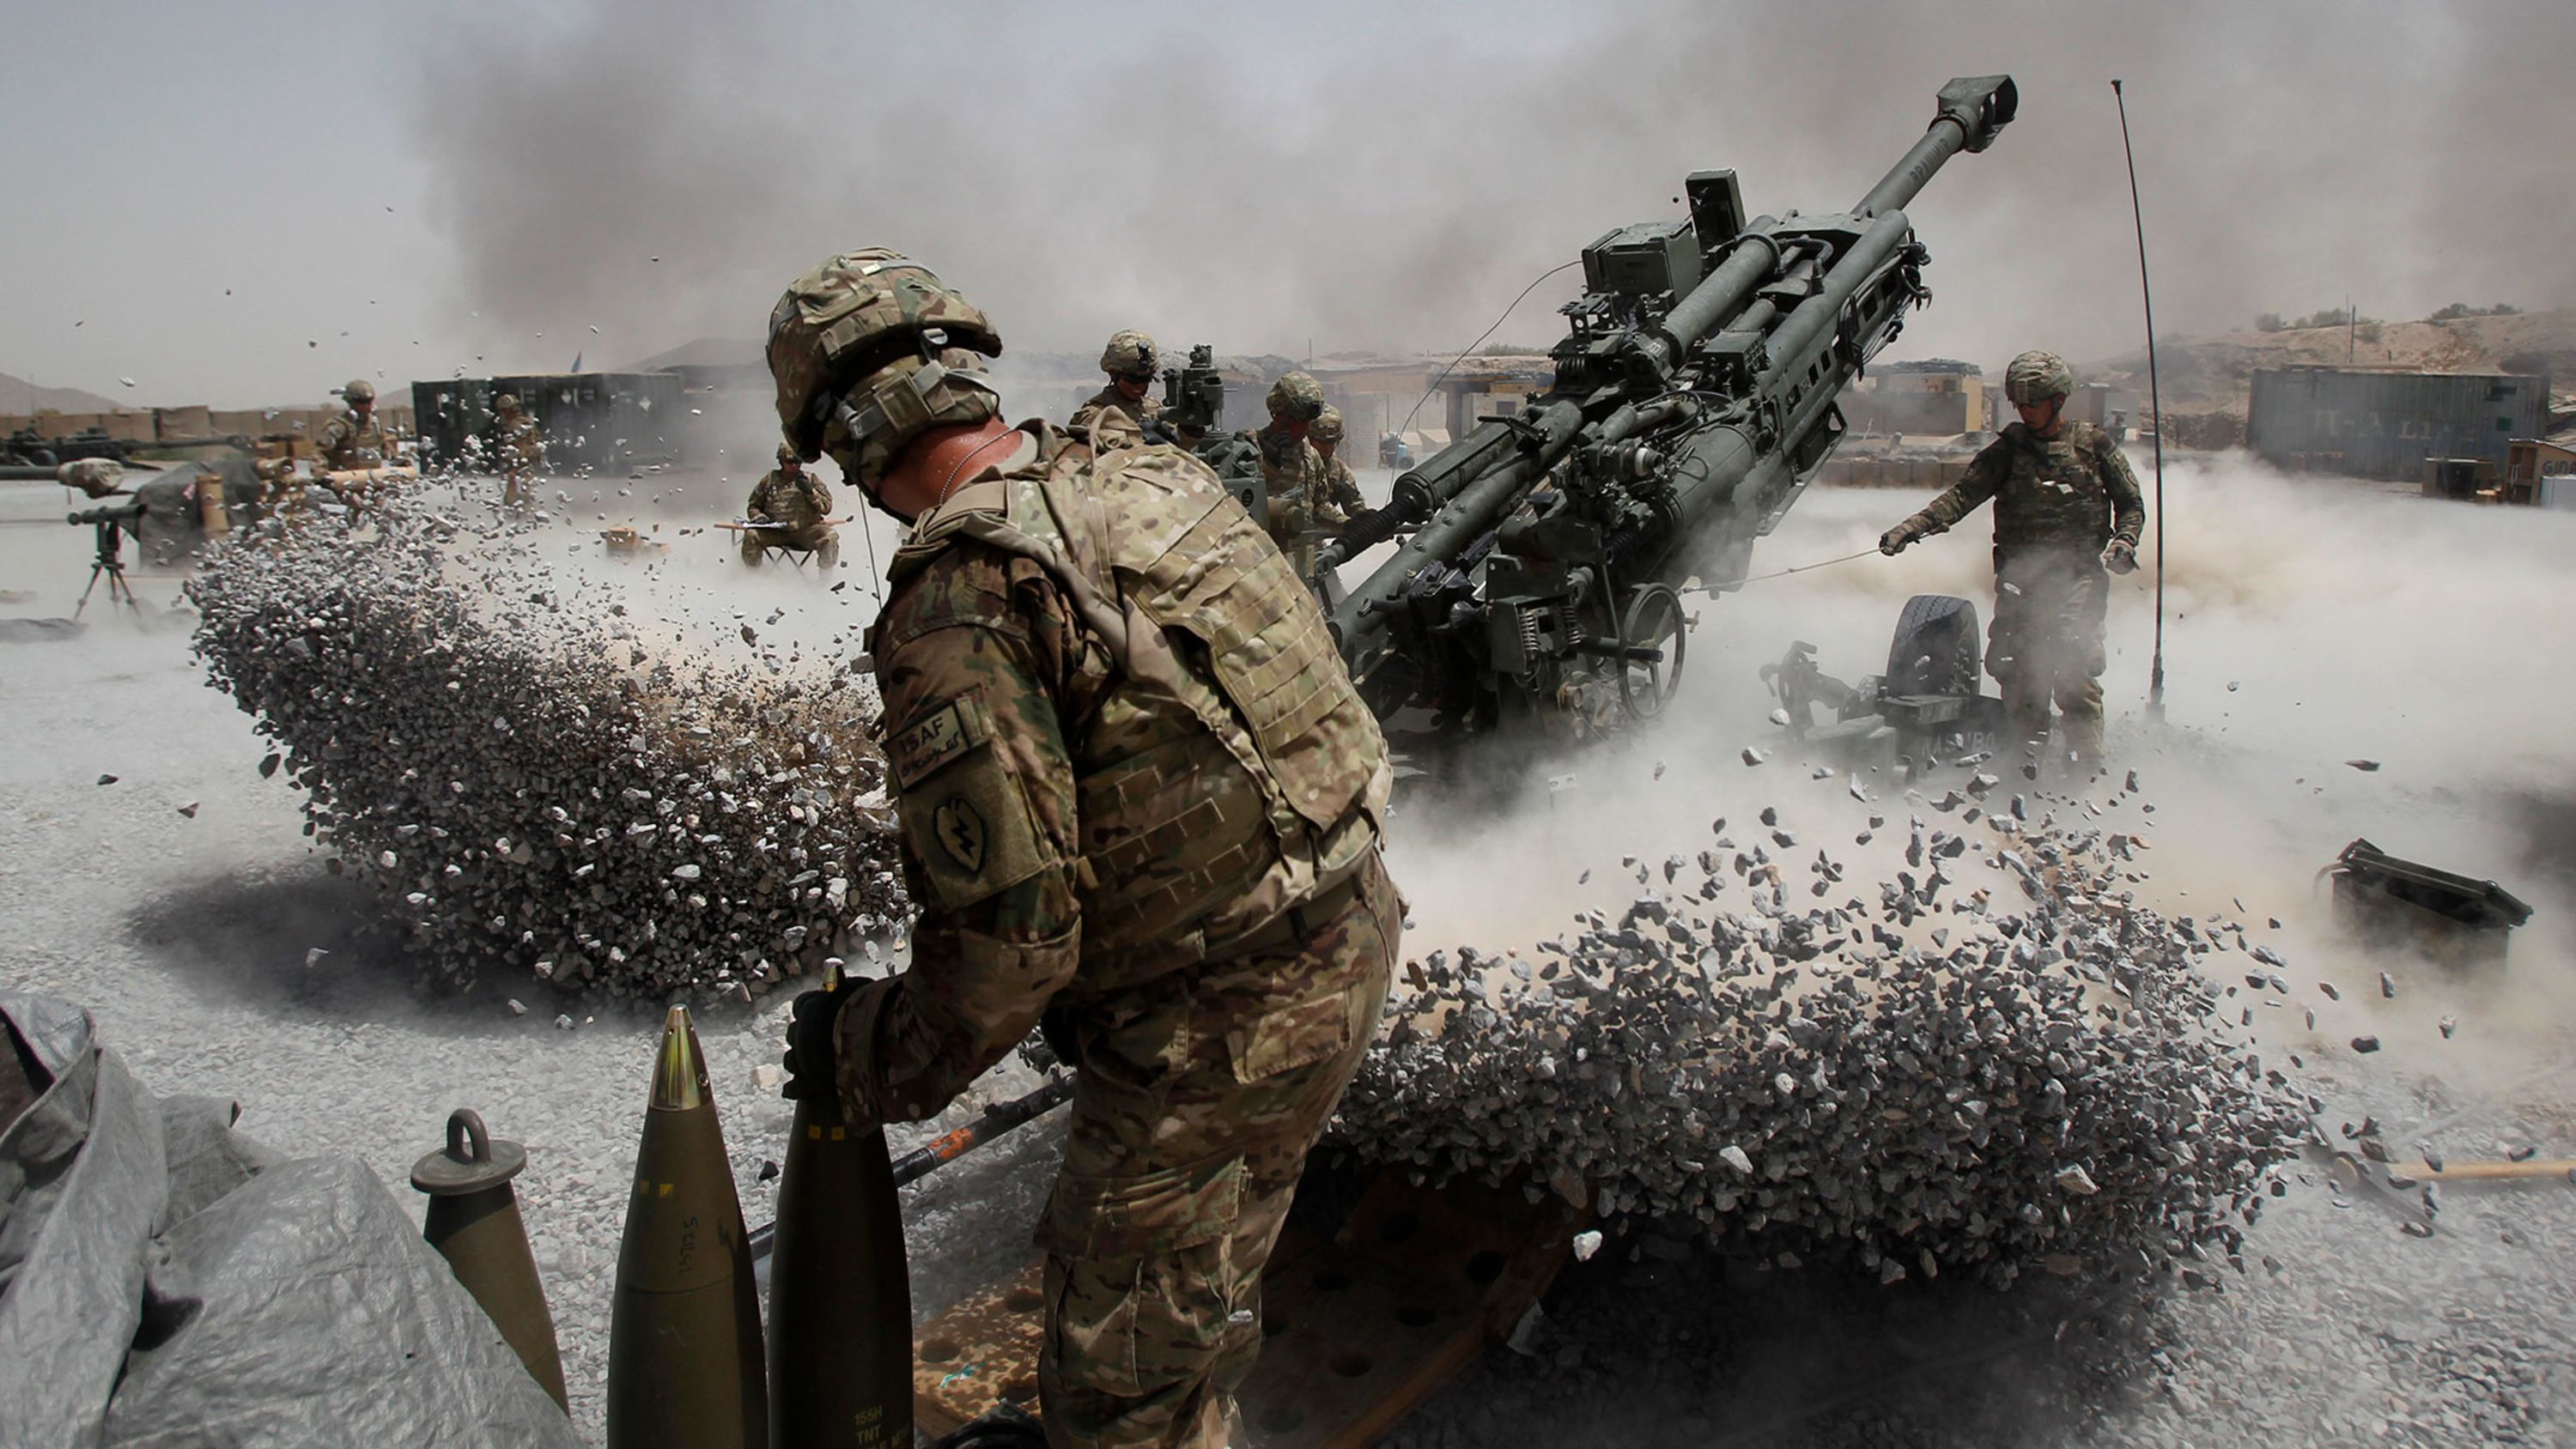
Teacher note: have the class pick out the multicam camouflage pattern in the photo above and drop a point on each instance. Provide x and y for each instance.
(2071, 490)
(352, 440)
(2037, 375)
(803, 503)
(1297, 396)
(1130, 354)
(1192, 1118)
(1173, 848)
(357, 390)
(1111, 419)
(1298, 484)
(1328, 431)
(2058, 501)
(2045, 645)
(882, 336)
(1341, 491)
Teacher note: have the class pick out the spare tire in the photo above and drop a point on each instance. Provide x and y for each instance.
(1936, 648)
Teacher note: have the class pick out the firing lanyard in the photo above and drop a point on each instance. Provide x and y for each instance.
(1713, 589)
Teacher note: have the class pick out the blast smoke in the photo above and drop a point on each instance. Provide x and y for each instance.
(1395, 186)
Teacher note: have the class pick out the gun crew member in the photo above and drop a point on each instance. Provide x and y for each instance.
(2067, 514)
(789, 496)
(1341, 486)
(520, 445)
(353, 440)
(1293, 473)
(1138, 794)
(1116, 415)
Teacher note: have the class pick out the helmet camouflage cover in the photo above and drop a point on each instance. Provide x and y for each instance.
(1130, 354)
(868, 351)
(1328, 426)
(507, 402)
(2037, 376)
(358, 390)
(1296, 397)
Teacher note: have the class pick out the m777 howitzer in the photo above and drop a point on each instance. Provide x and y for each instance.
(1694, 398)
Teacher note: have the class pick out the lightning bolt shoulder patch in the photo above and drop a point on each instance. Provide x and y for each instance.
(965, 812)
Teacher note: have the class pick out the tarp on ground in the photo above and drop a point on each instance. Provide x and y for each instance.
(165, 1280)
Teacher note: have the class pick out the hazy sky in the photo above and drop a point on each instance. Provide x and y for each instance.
(248, 203)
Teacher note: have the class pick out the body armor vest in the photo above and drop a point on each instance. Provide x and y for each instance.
(1230, 770)
(2053, 494)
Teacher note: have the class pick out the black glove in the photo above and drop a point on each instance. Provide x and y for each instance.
(813, 1056)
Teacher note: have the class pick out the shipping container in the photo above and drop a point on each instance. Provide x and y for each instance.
(2367, 424)
(607, 421)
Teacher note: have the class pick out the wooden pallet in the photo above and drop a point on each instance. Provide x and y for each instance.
(1357, 1331)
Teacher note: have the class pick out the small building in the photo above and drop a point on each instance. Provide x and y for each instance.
(1937, 397)
(2539, 471)
(2382, 423)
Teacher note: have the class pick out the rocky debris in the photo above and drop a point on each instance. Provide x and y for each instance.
(535, 788)
(2041, 1079)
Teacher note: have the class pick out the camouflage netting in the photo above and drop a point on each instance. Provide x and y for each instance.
(531, 786)
(2041, 1087)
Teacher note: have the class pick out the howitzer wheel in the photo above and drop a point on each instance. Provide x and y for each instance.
(1654, 625)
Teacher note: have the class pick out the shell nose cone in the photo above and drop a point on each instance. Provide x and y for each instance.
(679, 1068)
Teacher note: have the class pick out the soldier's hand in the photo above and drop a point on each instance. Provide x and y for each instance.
(1893, 542)
(813, 1054)
(2121, 557)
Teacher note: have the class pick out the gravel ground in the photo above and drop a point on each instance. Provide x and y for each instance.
(189, 936)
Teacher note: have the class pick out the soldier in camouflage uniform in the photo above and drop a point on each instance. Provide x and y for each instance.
(2066, 510)
(1341, 487)
(1139, 795)
(1293, 474)
(1116, 415)
(354, 440)
(788, 494)
(519, 446)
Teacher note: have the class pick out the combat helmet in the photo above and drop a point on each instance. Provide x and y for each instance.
(2037, 376)
(358, 390)
(1297, 398)
(787, 454)
(507, 402)
(1328, 426)
(869, 351)
(1130, 355)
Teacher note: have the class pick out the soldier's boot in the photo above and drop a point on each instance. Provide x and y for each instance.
(754, 544)
(827, 554)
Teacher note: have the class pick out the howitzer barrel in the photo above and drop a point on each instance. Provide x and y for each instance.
(1972, 110)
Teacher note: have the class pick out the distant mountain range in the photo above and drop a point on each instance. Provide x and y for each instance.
(17, 395)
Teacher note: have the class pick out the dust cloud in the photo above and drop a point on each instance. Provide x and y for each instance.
(1263, 186)
(2310, 622)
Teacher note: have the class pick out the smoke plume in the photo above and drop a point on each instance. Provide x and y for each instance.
(1367, 180)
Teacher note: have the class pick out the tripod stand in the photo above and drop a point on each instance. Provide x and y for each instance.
(110, 565)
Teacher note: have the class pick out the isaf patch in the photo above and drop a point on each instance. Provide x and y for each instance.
(934, 740)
